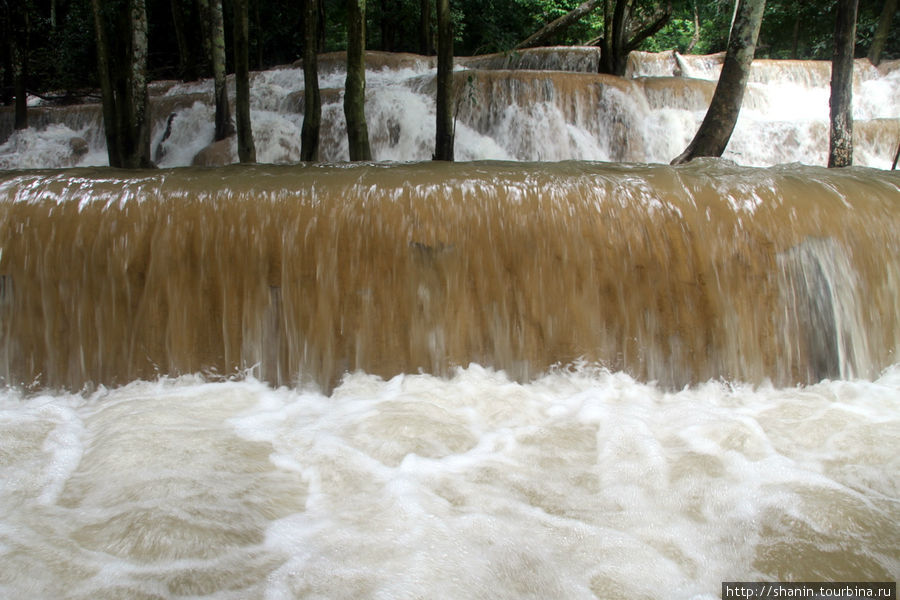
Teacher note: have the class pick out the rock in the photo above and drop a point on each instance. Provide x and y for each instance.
(79, 147)
(216, 154)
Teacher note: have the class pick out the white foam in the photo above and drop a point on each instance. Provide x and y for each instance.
(581, 484)
(784, 119)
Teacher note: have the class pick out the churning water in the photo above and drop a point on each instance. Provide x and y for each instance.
(580, 484)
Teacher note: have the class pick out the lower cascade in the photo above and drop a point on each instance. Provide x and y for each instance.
(305, 273)
(465, 380)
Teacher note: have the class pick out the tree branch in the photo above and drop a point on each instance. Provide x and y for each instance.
(650, 30)
(561, 24)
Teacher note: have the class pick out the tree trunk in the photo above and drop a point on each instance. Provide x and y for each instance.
(443, 149)
(19, 52)
(137, 143)
(6, 69)
(386, 27)
(896, 158)
(721, 117)
(425, 46)
(613, 58)
(695, 37)
(548, 31)
(620, 36)
(312, 100)
(355, 85)
(322, 21)
(107, 91)
(246, 148)
(205, 19)
(216, 27)
(881, 32)
(795, 38)
(840, 147)
(258, 46)
(186, 69)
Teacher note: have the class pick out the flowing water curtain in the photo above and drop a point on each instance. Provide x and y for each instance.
(310, 273)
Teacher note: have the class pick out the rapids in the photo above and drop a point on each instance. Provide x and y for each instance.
(545, 104)
(579, 485)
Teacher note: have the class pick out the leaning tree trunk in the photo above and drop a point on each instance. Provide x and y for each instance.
(443, 146)
(715, 131)
(216, 28)
(312, 100)
(246, 149)
(840, 146)
(881, 32)
(136, 144)
(355, 85)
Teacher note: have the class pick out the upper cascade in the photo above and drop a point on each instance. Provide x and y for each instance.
(542, 104)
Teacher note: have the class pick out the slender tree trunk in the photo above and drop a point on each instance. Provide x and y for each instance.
(715, 131)
(548, 31)
(6, 68)
(695, 37)
(19, 40)
(321, 31)
(137, 143)
(312, 100)
(205, 29)
(385, 27)
(355, 85)
(246, 148)
(258, 46)
(882, 31)
(425, 46)
(444, 132)
(107, 91)
(896, 158)
(185, 60)
(795, 38)
(840, 147)
(216, 27)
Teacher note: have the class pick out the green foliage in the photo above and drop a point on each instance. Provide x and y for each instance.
(794, 29)
(713, 17)
(63, 57)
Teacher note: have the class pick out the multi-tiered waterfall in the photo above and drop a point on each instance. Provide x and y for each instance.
(545, 104)
(490, 379)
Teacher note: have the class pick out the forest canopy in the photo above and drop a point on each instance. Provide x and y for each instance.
(61, 59)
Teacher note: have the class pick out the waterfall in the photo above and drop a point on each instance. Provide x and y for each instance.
(544, 104)
(675, 275)
(487, 379)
